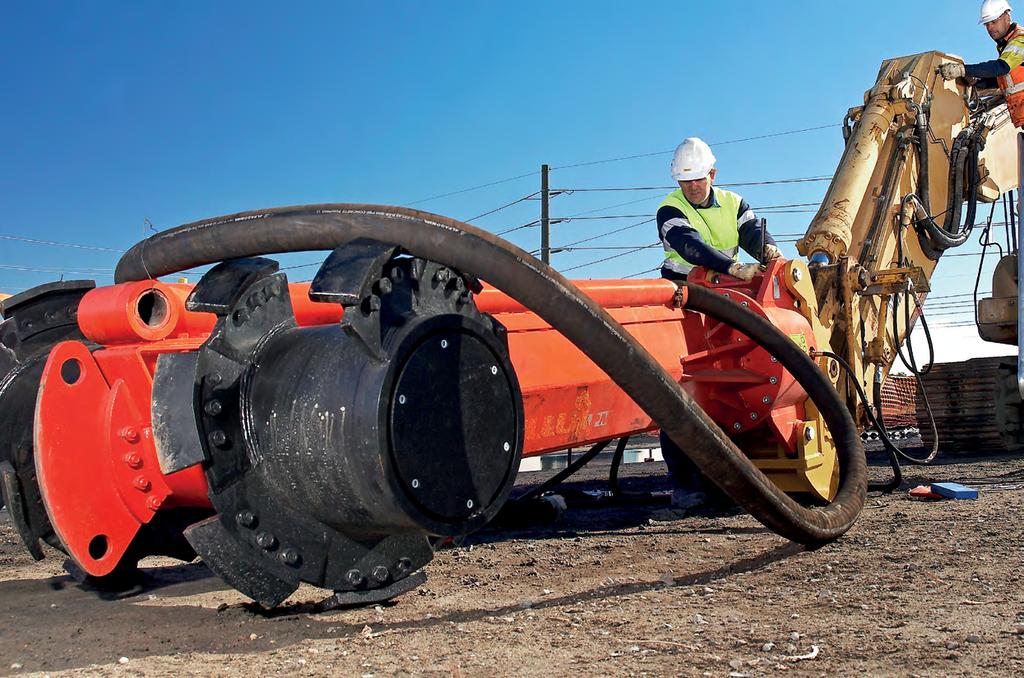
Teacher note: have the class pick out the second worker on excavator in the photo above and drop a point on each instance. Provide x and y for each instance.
(701, 225)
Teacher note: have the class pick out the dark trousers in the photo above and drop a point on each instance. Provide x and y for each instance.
(685, 475)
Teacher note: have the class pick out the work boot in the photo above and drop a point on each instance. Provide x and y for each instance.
(687, 499)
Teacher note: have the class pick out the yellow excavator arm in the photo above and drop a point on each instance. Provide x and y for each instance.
(921, 154)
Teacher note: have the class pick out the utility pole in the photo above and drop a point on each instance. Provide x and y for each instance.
(545, 219)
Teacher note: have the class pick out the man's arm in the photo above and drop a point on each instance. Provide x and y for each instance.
(750, 231)
(1010, 58)
(686, 241)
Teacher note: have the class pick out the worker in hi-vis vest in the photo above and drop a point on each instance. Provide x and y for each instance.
(701, 225)
(1006, 72)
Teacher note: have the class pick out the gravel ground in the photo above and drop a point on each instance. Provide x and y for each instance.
(916, 588)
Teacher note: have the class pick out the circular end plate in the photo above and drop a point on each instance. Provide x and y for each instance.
(453, 426)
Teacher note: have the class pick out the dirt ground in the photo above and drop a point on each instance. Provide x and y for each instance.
(915, 589)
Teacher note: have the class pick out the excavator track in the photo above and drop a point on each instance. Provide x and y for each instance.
(976, 407)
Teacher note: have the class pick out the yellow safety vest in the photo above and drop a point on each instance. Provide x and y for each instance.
(717, 225)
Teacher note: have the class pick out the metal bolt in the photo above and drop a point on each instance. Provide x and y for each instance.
(743, 303)
(753, 416)
(213, 407)
(374, 302)
(401, 399)
(289, 557)
(218, 438)
(381, 574)
(442, 275)
(354, 577)
(773, 380)
(246, 518)
(142, 484)
(469, 503)
(737, 426)
(774, 359)
(385, 286)
(797, 275)
(214, 378)
(130, 434)
(240, 316)
(766, 400)
(494, 369)
(415, 483)
(154, 503)
(133, 460)
(506, 446)
(444, 343)
(404, 565)
(809, 433)
(266, 541)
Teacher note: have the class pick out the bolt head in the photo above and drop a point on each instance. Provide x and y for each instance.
(415, 483)
(798, 275)
(404, 565)
(154, 503)
(766, 400)
(213, 407)
(753, 416)
(494, 369)
(381, 574)
(218, 438)
(444, 343)
(401, 399)
(374, 302)
(266, 541)
(737, 426)
(354, 577)
(133, 460)
(246, 518)
(214, 378)
(290, 557)
(470, 504)
(507, 447)
(385, 286)
(130, 434)
(142, 484)
(809, 433)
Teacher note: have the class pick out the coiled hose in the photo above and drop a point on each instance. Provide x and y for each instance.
(556, 300)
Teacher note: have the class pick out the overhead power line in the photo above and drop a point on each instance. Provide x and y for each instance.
(717, 143)
(54, 243)
(799, 180)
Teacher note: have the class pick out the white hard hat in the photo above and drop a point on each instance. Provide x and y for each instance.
(693, 160)
(993, 9)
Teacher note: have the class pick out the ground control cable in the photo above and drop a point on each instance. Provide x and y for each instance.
(556, 300)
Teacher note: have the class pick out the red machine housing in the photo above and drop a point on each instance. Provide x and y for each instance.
(94, 405)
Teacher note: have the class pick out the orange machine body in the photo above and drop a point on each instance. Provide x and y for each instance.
(99, 414)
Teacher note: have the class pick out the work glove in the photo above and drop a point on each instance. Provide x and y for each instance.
(771, 252)
(952, 71)
(744, 271)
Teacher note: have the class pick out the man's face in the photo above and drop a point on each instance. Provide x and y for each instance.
(698, 190)
(998, 28)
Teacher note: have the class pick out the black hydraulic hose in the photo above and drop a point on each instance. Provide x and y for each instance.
(613, 473)
(569, 470)
(556, 300)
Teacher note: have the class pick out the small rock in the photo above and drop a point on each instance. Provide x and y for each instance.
(952, 645)
(668, 579)
(790, 648)
(222, 607)
(699, 619)
(973, 639)
(547, 592)
(794, 636)
(253, 636)
(768, 647)
(122, 660)
(15, 666)
(736, 664)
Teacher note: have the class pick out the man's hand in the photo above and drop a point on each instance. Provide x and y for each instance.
(771, 252)
(952, 71)
(744, 271)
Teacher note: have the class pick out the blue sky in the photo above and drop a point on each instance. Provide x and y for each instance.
(115, 115)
